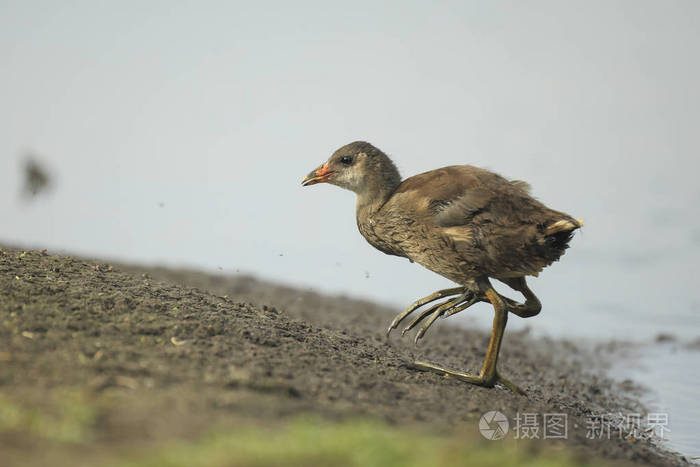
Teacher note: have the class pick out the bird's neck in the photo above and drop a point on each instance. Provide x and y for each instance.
(371, 201)
(377, 188)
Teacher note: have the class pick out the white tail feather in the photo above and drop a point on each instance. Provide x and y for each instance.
(563, 225)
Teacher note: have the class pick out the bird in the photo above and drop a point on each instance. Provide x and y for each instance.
(36, 178)
(465, 223)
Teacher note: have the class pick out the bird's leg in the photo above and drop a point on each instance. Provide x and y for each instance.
(530, 308)
(420, 302)
(488, 376)
(512, 305)
(464, 300)
(467, 298)
(532, 305)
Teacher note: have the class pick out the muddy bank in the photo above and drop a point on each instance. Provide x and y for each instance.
(147, 354)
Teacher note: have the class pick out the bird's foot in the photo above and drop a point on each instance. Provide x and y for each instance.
(465, 297)
(479, 380)
(420, 302)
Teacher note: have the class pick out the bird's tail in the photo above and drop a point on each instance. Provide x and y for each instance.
(558, 235)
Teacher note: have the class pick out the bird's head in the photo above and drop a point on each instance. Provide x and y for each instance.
(358, 167)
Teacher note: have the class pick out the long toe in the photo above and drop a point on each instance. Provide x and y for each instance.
(444, 307)
(512, 386)
(420, 302)
(460, 375)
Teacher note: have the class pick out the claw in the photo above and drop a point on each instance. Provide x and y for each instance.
(436, 314)
(419, 318)
(421, 331)
(420, 302)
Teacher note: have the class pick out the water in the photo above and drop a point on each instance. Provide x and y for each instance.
(669, 373)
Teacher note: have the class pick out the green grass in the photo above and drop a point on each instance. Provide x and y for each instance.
(311, 442)
(66, 418)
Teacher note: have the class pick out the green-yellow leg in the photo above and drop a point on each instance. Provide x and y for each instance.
(438, 309)
(488, 376)
(419, 303)
(532, 305)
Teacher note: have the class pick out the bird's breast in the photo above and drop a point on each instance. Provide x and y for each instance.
(377, 235)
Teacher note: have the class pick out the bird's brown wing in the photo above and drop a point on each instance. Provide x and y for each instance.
(491, 222)
(452, 196)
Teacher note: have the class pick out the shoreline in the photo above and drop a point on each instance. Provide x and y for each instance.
(225, 348)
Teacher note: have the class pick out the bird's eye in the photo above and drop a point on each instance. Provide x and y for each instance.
(347, 160)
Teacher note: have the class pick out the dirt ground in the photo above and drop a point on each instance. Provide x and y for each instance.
(98, 358)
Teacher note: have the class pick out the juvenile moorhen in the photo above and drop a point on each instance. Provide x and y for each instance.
(462, 222)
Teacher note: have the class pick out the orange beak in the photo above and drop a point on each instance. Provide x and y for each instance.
(319, 175)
